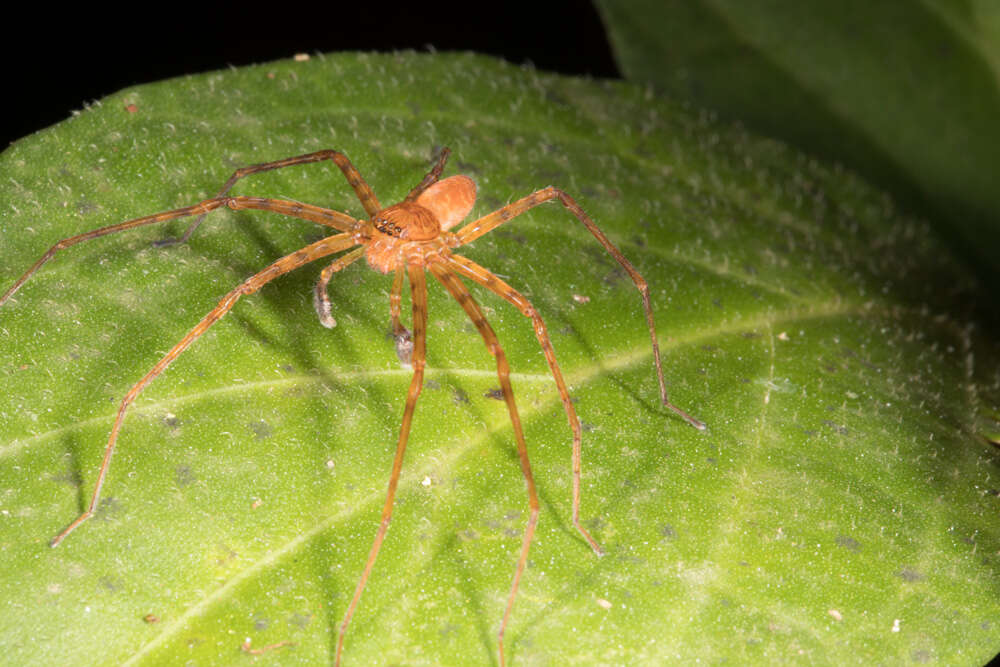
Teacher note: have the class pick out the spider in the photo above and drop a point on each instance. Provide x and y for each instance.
(408, 240)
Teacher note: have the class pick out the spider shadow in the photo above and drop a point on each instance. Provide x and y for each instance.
(571, 591)
(446, 548)
(474, 596)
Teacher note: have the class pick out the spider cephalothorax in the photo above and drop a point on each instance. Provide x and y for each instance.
(417, 227)
(408, 239)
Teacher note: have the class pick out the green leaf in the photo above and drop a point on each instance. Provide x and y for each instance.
(907, 93)
(841, 506)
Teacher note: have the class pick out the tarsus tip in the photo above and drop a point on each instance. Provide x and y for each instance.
(698, 424)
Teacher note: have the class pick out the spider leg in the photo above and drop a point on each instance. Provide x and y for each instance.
(432, 176)
(491, 221)
(490, 281)
(321, 300)
(353, 176)
(418, 292)
(400, 334)
(339, 221)
(454, 285)
(314, 251)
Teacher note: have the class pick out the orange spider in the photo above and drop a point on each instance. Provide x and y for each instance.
(406, 239)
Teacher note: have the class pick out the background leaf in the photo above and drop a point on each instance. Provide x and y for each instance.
(907, 93)
(841, 506)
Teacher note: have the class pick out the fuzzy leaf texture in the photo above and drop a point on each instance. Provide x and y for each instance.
(842, 504)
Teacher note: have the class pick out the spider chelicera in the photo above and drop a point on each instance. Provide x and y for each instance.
(407, 239)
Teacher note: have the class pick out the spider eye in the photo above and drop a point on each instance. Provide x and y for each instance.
(387, 227)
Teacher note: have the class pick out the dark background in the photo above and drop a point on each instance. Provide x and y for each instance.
(60, 59)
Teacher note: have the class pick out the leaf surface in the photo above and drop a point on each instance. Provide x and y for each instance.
(841, 505)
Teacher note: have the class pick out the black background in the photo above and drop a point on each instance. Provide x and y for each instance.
(60, 59)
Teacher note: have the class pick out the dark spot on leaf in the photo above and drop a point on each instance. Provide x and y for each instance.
(848, 543)
(108, 508)
(468, 535)
(301, 620)
(668, 532)
(750, 335)
(432, 385)
(595, 525)
(587, 427)
(459, 396)
(109, 584)
(851, 354)
(184, 476)
(86, 207)
(842, 430)
(261, 623)
(908, 575)
(261, 429)
(517, 238)
(496, 394)
(71, 477)
(615, 277)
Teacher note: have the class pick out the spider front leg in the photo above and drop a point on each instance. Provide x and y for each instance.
(461, 294)
(201, 208)
(487, 223)
(418, 294)
(361, 188)
(323, 216)
(312, 252)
